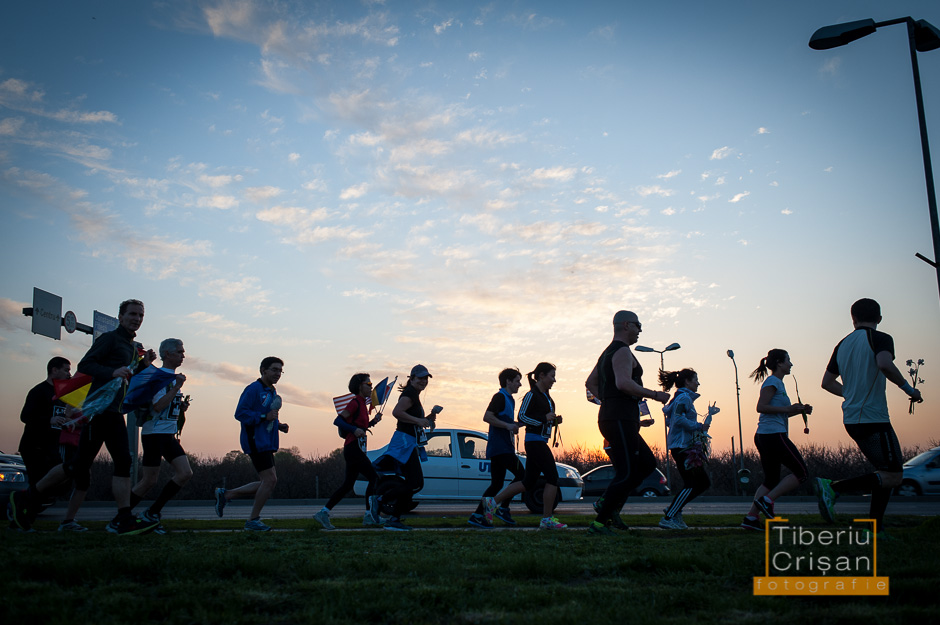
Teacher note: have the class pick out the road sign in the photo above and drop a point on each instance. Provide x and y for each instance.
(103, 323)
(47, 314)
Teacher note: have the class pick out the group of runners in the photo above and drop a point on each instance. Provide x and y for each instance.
(860, 366)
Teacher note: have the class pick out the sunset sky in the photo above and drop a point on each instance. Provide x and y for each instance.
(363, 186)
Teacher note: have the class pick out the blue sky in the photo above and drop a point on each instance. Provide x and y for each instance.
(364, 186)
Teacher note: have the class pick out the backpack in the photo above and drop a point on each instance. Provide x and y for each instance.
(339, 430)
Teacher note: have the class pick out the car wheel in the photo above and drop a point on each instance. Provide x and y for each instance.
(649, 492)
(385, 485)
(908, 489)
(535, 500)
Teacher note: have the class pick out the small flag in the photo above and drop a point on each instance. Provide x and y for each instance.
(102, 397)
(381, 392)
(74, 390)
(591, 398)
(340, 403)
(144, 385)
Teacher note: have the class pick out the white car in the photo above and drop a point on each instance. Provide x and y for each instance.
(922, 474)
(457, 468)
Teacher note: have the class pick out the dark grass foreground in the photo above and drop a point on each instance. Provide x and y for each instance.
(370, 576)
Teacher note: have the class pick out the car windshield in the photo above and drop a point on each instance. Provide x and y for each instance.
(927, 456)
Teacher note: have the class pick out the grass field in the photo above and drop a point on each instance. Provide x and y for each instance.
(466, 576)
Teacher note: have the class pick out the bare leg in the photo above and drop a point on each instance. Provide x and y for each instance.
(509, 492)
(75, 502)
(148, 478)
(182, 471)
(268, 482)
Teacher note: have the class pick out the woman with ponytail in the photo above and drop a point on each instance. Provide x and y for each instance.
(687, 441)
(772, 441)
(537, 414)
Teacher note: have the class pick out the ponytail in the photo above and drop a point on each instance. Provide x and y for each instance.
(540, 369)
(768, 363)
(668, 379)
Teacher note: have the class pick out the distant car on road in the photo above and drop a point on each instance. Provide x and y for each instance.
(596, 482)
(922, 474)
(457, 468)
(12, 476)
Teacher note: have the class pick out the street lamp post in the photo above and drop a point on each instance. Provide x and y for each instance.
(923, 37)
(662, 367)
(744, 476)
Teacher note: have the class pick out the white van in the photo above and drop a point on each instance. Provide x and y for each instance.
(457, 468)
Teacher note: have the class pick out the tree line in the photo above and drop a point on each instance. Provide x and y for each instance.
(317, 477)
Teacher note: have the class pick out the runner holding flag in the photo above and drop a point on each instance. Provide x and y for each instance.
(353, 423)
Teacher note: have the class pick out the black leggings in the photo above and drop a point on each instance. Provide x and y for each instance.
(109, 429)
(500, 464)
(694, 482)
(879, 444)
(356, 463)
(539, 461)
(632, 460)
(776, 450)
(403, 491)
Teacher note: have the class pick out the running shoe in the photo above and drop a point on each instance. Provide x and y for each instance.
(504, 515)
(71, 526)
(826, 498)
(597, 505)
(149, 516)
(220, 501)
(681, 521)
(752, 524)
(395, 525)
(599, 529)
(375, 506)
(323, 518)
(16, 510)
(255, 525)
(765, 506)
(617, 523)
(551, 523)
(478, 520)
(112, 527)
(670, 524)
(489, 508)
(369, 521)
(132, 525)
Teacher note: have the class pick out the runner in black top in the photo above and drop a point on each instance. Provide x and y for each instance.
(113, 355)
(409, 436)
(500, 451)
(616, 381)
(537, 413)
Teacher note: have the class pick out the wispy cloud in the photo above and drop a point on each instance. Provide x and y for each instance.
(647, 191)
(739, 196)
(721, 153)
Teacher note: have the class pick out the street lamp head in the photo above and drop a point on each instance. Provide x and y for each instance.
(672, 347)
(841, 34)
(641, 348)
(926, 36)
(731, 354)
